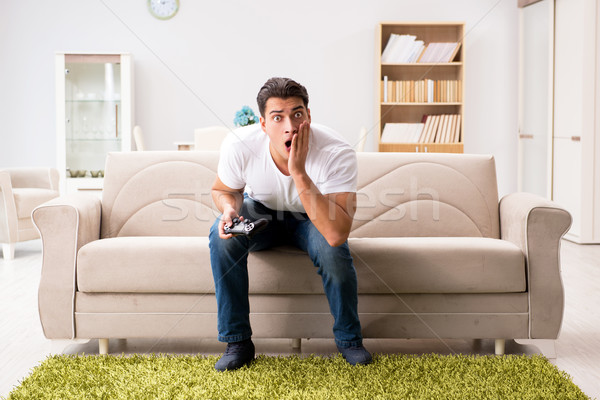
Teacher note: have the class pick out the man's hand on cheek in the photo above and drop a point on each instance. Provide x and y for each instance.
(299, 150)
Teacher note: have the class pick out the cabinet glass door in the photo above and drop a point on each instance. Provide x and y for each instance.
(535, 110)
(92, 112)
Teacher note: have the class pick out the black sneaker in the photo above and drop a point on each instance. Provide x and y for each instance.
(236, 356)
(356, 355)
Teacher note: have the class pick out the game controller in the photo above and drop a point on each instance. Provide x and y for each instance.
(245, 227)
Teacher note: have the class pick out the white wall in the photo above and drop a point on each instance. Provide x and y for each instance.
(198, 68)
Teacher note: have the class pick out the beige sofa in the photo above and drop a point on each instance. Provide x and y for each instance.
(21, 190)
(437, 256)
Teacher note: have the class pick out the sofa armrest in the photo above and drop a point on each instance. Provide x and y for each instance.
(8, 210)
(65, 225)
(537, 226)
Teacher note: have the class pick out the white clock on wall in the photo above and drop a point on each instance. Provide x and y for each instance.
(163, 9)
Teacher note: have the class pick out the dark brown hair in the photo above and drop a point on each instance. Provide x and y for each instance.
(282, 88)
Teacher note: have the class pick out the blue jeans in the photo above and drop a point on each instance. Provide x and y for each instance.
(229, 258)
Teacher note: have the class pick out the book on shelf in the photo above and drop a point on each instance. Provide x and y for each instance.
(444, 128)
(426, 129)
(434, 133)
(384, 92)
(400, 132)
(408, 49)
(422, 91)
(439, 52)
(439, 135)
(433, 125)
(456, 135)
(402, 49)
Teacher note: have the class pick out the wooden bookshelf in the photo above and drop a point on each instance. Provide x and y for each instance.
(403, 103)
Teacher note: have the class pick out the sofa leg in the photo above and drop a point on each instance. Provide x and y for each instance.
(103, 346)
(296, 343)
(8, 250)
(500, 344)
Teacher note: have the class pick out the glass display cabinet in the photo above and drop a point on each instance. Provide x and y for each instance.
(94, 107)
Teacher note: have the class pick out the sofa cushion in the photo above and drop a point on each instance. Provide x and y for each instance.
(168, 264)
(438, 265)
(26, 199)
(155, 264)
(384, 265)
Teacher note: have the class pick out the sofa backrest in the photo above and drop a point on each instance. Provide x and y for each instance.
(399, 194)
(158, 193)
(426, 194)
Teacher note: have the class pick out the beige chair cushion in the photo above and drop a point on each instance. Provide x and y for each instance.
(26, 199)
(384, 265)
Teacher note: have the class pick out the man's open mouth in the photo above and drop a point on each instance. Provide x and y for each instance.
(288, 145)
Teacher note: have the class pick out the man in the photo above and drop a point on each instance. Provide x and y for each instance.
(303, 180)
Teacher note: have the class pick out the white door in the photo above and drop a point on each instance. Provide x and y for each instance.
(536, 97)
(575, 115)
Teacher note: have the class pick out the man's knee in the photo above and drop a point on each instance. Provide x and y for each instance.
(334, 261)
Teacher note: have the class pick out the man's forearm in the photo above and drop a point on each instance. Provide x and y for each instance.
(333, 221)
(224, 199)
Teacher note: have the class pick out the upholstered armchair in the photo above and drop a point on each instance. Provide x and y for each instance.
(21, 190)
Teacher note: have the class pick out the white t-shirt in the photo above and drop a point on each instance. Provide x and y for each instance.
(246, 162)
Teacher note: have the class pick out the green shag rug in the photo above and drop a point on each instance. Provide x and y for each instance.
(313, 377)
